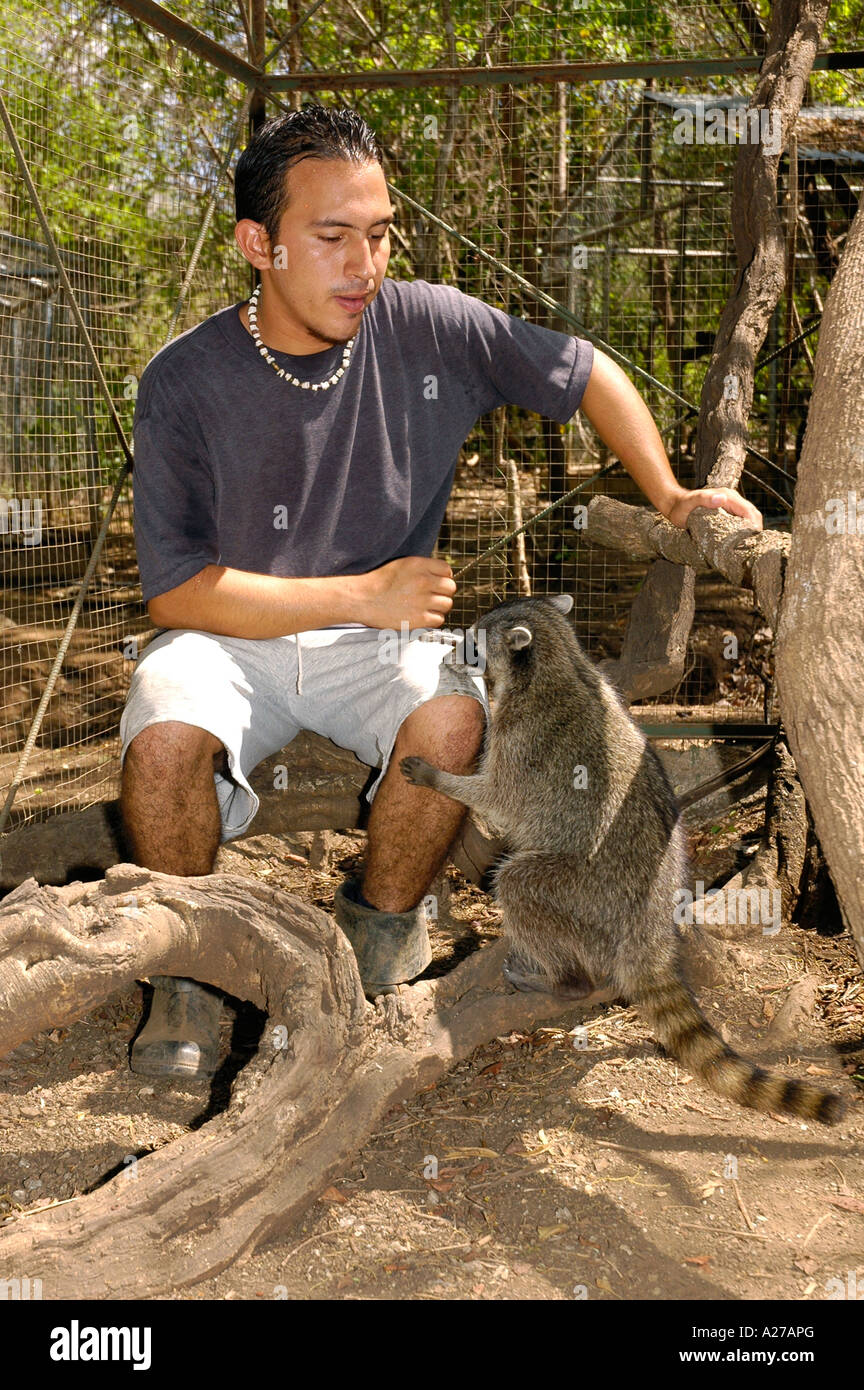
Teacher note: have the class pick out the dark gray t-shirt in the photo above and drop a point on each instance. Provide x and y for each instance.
(235, 467)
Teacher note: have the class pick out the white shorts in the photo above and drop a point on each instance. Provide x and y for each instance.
(354, 685)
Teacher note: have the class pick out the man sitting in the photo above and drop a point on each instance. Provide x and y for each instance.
(294, 454)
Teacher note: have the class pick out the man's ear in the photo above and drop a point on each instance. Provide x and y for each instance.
(253, 241)
(563, 602)
(518, 637)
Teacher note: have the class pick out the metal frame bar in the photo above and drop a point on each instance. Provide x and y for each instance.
(518, 74)
(731, 732)
(289, 33)
(164, 22)
(515, 74)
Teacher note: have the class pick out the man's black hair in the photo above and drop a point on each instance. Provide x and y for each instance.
(313, 132)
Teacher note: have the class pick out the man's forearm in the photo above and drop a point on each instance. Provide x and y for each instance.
(235, 603)
(625, 424)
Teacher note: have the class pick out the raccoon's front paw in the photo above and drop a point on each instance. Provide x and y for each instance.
(418, 771)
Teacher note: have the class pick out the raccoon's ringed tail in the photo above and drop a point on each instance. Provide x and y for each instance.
(686, 1034)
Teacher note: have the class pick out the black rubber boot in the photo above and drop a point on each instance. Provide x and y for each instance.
(181, 1035)
(391, 947)
(474, 852)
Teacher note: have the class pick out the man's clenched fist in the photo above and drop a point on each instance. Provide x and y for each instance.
(416, 590)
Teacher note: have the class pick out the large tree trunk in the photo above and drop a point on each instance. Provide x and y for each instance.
(655, 645)
(819, 636)
(759, 244)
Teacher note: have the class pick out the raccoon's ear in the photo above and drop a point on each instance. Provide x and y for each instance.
(563, 602)
(518, 637)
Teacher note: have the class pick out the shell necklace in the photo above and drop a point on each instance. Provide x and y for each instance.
(268, 356)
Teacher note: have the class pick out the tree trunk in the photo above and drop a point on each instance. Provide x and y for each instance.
(819, 635)
(759, 244)
(666, 606)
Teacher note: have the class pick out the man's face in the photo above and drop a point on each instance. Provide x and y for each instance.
(332, 250)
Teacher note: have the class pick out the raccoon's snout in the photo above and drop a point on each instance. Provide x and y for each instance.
(468, 653)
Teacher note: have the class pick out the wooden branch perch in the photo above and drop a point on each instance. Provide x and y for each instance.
(640, 532)
(713, 541)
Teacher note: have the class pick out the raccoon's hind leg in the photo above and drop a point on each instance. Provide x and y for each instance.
(523, 973)
(536, 892)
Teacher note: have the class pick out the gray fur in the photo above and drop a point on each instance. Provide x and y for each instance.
(587, 891)
(588, 887)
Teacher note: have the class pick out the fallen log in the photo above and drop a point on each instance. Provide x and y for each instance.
(329, 1067)
(311, 784)
(320, 787)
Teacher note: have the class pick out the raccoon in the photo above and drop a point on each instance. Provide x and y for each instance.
(596, 849)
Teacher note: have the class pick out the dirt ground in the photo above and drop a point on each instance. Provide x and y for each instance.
(555, 1165)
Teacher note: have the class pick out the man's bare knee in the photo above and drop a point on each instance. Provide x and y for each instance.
(171, 741)
(168, 802)
(450, 727)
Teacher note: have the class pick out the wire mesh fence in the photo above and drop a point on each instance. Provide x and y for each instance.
(124, 140)
(591, 191)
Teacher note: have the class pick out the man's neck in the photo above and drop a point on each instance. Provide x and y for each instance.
(276, 343)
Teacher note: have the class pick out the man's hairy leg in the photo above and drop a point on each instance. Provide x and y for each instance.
(171, 823)
(411, 828)
(168, 798)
